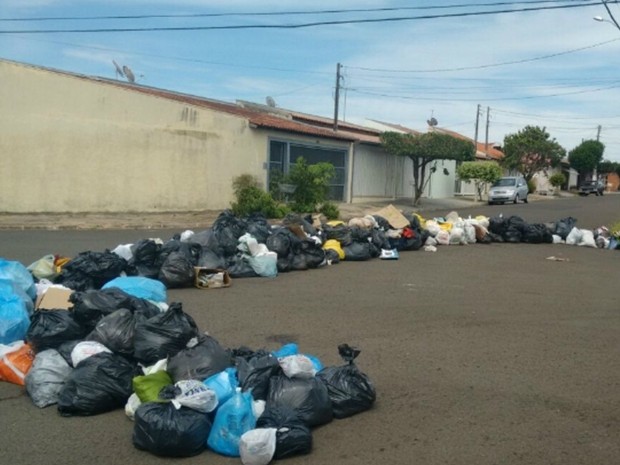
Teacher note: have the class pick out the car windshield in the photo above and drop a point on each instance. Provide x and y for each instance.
(504, 182)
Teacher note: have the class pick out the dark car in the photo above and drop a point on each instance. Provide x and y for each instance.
(591, 187)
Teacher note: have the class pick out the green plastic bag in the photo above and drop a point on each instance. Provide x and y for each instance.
(147, 387)
(43, 268)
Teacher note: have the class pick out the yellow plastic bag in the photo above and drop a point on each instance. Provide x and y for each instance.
(333, 244)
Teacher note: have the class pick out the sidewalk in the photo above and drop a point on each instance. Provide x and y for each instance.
(204, 219)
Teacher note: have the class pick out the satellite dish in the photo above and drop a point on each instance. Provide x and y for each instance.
(119, 71)
(431, 122)
(270, 102)
(129, 74)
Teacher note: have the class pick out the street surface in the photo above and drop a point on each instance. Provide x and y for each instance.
(481, 354)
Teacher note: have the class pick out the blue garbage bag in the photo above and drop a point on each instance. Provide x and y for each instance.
(14, 319)
(19, 274)
(141, 287)
(12, 287)
(224, 384)
(232, 419)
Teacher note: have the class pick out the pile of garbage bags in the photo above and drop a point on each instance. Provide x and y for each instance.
(184, 391)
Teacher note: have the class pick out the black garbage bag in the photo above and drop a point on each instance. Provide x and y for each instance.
(208, 240)
(514, 229)
(100, 383)
(383, 224)
(163, 335)
(360, 234)
(340, 233)
(280, 241)
(116, 331)
(497, 225)
(308, 397)
(91, 270)
(255, 371)
(537, 233)
(191, 250)
(412, 239)
(295, 219)
(332, 256)
(163, 430)
(50, 328)
(380, 239)
(350, 390)
(293, 436)
(210, 259)
(227, 229)
(90, 306)
(414, 221)
(145, 260)
(239, 267)
(564, 226)
(200, 360)
(258, 226)
(358, 251)
(66, 348)
(313, 253)
(177, 270)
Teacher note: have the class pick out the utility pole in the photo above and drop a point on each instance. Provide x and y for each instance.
(477, 121)
(598, 133)
(337, 96)
(486, 137)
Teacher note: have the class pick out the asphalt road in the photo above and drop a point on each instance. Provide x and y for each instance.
(481, 354)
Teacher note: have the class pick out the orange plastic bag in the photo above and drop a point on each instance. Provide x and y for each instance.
(15, 361)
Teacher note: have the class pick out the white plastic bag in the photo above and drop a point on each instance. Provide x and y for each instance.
(46, 377)
(195, 395)
(160, 365)
(124, 251)
(443, 237)
(297, 366)
(132, 405)
(43, 268)
(85, 349)
(574, 236)
(257, 446)
(587, 239)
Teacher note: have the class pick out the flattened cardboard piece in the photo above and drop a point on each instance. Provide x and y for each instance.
(55, 298)
(393, 216)
(209, 278)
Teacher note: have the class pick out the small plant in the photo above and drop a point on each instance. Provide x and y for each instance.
(330, 210)
(614, 230)
(251, 198)
(557, 180)
(311, 184)
(531, 186)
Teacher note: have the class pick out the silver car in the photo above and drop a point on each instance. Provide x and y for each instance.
(509, 189)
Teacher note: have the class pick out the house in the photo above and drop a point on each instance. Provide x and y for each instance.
(78, 143)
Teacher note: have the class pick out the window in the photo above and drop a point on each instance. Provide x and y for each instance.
(283, 154)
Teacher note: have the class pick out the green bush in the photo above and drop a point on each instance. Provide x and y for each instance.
(531, 186)
(557, 180)
(251, 198)
(311, 184)
(330, 210)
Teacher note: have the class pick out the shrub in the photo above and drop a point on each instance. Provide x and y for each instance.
(557, 180)
(531, 186)
(330, 210)
(251, 198)
(311, 184)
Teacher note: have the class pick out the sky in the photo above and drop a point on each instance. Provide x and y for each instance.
(458, 61)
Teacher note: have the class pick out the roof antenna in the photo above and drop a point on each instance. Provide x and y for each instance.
(118, 70)
(129, 74)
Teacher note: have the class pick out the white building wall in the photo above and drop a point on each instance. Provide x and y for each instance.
(70, 144)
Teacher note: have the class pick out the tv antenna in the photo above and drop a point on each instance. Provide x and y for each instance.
(270, 101)
(432, 122)
(129, 74)
(118, 70)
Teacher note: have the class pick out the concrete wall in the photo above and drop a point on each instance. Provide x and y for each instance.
(69, 144)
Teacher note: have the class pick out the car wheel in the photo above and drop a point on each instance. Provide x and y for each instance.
(491, 203)
(516, 200)
(601, 192)
(525, 199)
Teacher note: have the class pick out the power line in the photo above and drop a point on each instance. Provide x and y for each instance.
(278, 13)
(293, 26)
(492, 65)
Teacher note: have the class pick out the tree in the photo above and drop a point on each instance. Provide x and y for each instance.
(586, 156)
(530, 151)
(425, 150)
(606, 167)
(557, 180)
(311, 184)
(480, 173)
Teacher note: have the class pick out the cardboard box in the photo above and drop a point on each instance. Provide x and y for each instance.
(55, 298)
(209, 278)
(393, 216)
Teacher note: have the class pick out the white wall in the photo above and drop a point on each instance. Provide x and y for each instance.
(70, 144)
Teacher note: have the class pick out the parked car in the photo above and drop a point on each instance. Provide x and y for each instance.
(508, 189)
(591, 187)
